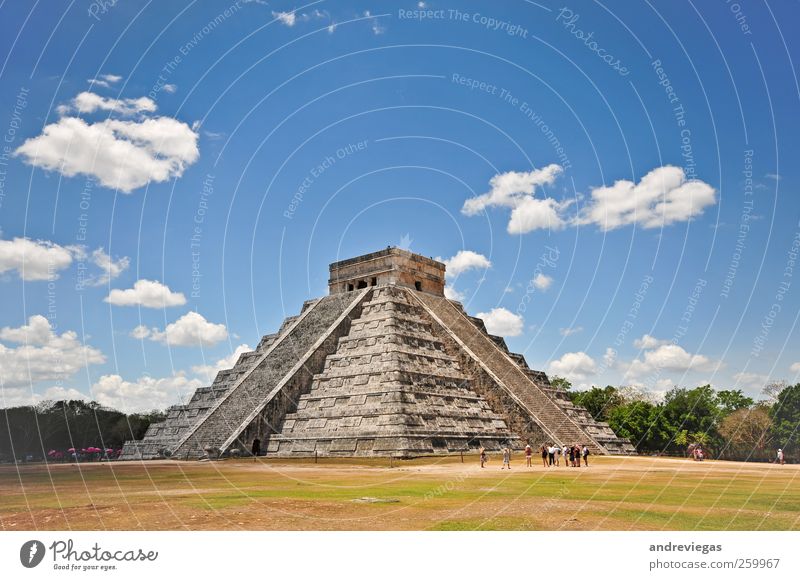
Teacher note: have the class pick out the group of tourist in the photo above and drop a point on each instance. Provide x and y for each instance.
(551, 456)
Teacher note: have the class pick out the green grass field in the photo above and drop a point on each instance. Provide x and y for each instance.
(425, 494)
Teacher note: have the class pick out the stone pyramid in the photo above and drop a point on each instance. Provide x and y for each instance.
(383, 365)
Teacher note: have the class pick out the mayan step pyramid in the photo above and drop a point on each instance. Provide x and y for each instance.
(383, 365)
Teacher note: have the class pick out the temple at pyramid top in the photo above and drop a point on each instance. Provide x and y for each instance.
(392, 266)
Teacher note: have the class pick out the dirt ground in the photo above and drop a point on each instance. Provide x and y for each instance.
(427, 494)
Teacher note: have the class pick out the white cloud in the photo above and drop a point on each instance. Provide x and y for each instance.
(170, 88)
(208, 372)
(795, 368)
(111, 268)
(147, 293)
(542, 281)
(36, 259)
(452, 294)
(88, 102)
(377, 29)
(287, 18)
(610, 358)
(662, 197)
(576, 366)
(502, 322)
(752, 381)
(97, 82)
(667, 356)
(648, 342)
(21, 396)
(122, 155)
(511, 188)
(145, 394)
(773, 176)
(140, 332)
(464, 261)
(105, 81)
(537, 214)
(42, 354)
(570, 331)
(191, 329)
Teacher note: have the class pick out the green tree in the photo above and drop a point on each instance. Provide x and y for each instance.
(693, 410)
(785, 415)
(643, 423)
(730, 401)
(560, 383)
(599, 402)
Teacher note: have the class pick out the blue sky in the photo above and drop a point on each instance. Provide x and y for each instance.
(176, 179)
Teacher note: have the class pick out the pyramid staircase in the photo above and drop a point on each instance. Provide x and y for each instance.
(262, 379)
(563, 422)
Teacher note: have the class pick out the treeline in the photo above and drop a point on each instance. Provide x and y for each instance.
(726, 423)
(30, 433)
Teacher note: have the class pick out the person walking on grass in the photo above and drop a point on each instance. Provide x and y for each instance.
(572, 456)
(551, 454)
(506, 458)
(528, 454)
(779, 459)
(558, 455)
(585, 456)
(565, 455)
(483, 457)
(544, 455)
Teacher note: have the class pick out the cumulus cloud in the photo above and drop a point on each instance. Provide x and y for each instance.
(576, 366)
(105, 81)
(752, 381)
(649, 342)
(20, 396)
(662, 197)
(88, 102)
(42, 354)
(663, 355)
(140, 332)
(287, 18)
(191, 329)
(147, 293)
(502, 322)
(795, 368)
(109, 267)
(542, 281)
(464, 261)
(537, 214)
(36, 259)
(144, 394)
(452, 294)
(511, 188)
(208, 372)
(120, 154)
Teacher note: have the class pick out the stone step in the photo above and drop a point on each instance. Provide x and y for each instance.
(492, 356)
(253, 388)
